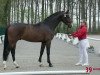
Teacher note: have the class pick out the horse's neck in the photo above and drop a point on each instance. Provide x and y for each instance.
(52, 23)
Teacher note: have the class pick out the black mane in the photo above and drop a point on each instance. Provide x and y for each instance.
(53, 15)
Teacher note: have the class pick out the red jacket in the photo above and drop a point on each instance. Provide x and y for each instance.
(81, 33)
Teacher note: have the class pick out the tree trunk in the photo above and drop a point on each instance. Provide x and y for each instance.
(32, 13)
(94, 17)
(42, 10)
(28, 20)
(36, 10)
(22, 12)
(82, 2)
(98, 15)
(6, 11)
(17, 11)
(51, 6)
(90, 6)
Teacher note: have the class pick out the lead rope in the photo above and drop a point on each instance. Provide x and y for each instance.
(68, 33)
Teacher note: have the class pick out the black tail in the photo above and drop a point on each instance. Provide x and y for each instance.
(6, 42)
(6, 45)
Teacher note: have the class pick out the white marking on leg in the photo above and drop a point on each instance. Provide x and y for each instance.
(16, 65)
(4, 63)
(40, 64)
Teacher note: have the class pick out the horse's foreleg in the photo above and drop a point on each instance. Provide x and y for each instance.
(13, 57)
(48, 44)
(41, 52)
(5, 55)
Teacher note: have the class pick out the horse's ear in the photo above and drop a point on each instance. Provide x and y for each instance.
(67, 12)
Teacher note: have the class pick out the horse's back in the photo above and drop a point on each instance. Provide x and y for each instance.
(37, 33)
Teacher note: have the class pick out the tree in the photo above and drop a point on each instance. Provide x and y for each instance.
(90, 6)
(17, 11)
(4, 11)
(82, 3)
(51, 6)
(94, 17)
(42, 13)
(98, 15)
(32, 11)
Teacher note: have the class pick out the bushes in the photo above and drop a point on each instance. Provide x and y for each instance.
(2, 30)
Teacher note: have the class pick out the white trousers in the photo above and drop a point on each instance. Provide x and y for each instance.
(83, 55)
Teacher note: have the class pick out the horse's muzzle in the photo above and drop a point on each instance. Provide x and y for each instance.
(69, 25)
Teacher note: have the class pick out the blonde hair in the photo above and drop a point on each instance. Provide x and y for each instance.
(83, 21)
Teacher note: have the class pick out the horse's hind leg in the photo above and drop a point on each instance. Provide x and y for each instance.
(13, 56)
(48, 44)
(41, 52)
(5, 55)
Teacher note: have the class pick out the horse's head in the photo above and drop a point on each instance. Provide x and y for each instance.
(66, 19)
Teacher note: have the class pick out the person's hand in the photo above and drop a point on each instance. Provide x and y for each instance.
(70, 36)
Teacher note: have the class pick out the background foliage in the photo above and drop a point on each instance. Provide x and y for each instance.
(33, 11)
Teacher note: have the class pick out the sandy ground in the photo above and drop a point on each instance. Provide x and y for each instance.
(64, 56)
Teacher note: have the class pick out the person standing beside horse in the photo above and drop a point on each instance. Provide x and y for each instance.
(81, 33)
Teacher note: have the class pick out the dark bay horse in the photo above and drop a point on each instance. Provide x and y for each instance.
(41, 32)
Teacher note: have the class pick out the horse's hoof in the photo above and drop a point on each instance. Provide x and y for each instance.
(17, 67)
(40, 65)
(50, 65)
(4, 68)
